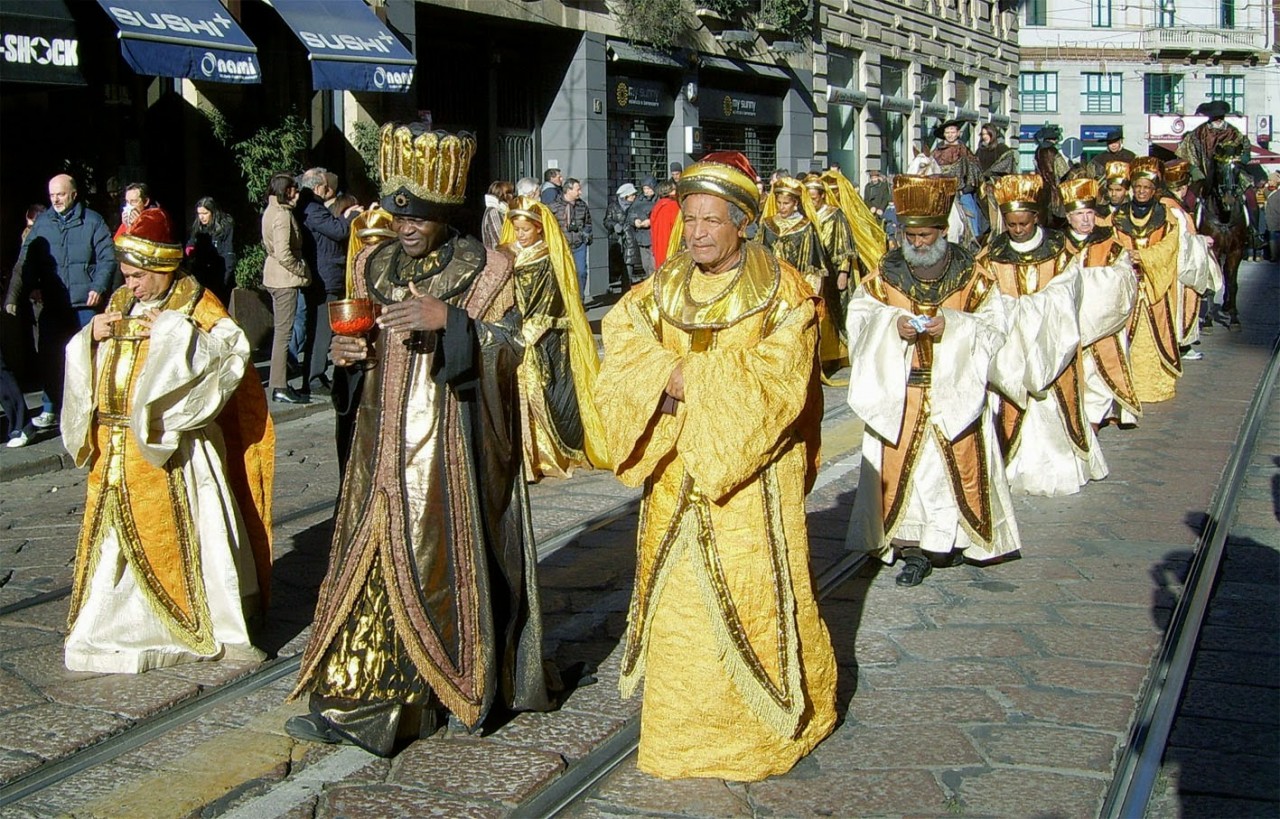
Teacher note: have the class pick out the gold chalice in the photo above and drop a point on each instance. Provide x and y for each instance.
(354, 317)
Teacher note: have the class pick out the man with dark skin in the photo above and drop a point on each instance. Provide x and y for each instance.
(432, 438)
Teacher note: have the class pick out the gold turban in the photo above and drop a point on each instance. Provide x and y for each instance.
(1177, 173)
(1018, 191)
(525, 207)
(1079, 194)
(1117, 171)
(157, 257)
(923, 201)
(725, 181)
(788, 184)
(1147, 167)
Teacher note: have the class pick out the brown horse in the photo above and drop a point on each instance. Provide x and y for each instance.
(1222, 218)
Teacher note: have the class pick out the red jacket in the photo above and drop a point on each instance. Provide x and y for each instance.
(661, 222)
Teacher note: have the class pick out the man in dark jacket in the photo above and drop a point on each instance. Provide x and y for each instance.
(638, 226)
(876, 193)
(575, 220)
(68, 263)
(324, 248)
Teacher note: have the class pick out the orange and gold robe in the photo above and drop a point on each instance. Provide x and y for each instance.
(739, 673)
(175, 556)
(1108, 375)
(932, 471)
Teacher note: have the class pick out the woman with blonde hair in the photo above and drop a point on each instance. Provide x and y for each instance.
(558, 373)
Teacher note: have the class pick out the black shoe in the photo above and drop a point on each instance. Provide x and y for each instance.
(311, 728)
(289, 395)
(914, 571)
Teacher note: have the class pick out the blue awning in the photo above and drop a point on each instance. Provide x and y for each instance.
(196, 39)
(348, 46)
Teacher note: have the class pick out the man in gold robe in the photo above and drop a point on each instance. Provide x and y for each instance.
(1115, 186)
(923, 333)
(1049, 446)
(710, 399)
(164, 406)
(1106, 374)
(1165, 257)
(431, 598)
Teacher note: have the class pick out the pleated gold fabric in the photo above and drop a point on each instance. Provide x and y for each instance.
(723, 624)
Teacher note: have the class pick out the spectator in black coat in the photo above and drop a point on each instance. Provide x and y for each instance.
(324, 248)
(211, 252)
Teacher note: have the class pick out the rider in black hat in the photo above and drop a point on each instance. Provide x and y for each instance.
(1214, 139)
(1116, 152)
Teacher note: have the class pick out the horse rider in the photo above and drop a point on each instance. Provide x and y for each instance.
(1215, 140)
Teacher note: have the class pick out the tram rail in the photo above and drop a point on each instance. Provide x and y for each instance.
(1139, 767)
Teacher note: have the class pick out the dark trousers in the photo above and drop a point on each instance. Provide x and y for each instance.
(12, 401)
(54, 329)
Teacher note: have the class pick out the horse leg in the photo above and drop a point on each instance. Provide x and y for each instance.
(1230, 275)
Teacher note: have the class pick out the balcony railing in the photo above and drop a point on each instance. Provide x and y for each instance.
(1203, 39)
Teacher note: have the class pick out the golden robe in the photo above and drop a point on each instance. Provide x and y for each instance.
(723, 625)
(1153, 326)
(174, 558)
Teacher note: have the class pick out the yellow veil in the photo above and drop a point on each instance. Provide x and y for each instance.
(867, 230)
(795, 187)
(584, 360)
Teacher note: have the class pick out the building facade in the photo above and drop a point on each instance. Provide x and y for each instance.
(1090, 66)
(887, 73)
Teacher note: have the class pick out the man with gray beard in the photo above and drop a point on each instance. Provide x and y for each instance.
(922, 333)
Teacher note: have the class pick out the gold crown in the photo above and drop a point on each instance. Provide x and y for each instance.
(148, 255)
(431, 165)
(1177, 173)
(1018, 191)
(789, 184)
(815, 180)
(1117, 171)
(525, 207)
(923, 201)
(1147, 167)
(1078, 194)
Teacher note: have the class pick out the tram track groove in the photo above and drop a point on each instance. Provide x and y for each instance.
(1140, 762)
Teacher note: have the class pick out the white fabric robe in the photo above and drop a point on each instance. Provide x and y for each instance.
(880, 361)
(1198, 269)
(1048, 330)
(187, 378)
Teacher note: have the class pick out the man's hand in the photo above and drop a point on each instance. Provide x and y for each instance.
(348, 350)
(1208, 240)
(11, 309)
(422, 312)
(905, 330)
(675, 383)
(842, 280)
(93, 299)
(102, 324)
(935, 326)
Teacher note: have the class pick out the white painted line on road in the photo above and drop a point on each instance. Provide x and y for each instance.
(285, 796)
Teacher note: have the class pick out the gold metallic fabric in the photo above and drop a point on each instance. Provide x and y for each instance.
(1018, 191)
(924, 201)
(723, 181)
(148, 255)
(431, 165)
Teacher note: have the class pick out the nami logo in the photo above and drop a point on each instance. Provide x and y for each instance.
(385, 80)
(243, 69)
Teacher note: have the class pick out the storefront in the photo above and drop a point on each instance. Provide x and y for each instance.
(740, 121)
(640, 112)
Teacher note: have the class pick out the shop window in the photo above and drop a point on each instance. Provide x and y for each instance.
(637, 148)
(842, 120)
(759, 144)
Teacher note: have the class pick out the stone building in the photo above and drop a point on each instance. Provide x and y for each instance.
(1091, 66)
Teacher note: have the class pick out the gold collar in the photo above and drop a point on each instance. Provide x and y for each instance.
(754, 288)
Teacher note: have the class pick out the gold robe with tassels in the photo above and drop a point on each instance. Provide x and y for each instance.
(432, 582)
(739, 674)
(1153, 327)
(174, 557)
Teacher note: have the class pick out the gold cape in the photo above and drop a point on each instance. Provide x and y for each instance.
(723, 624)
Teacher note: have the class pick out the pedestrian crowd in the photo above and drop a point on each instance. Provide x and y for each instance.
(989, 324)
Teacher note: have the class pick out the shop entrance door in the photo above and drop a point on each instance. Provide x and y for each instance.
(637, 148)
(515, 155)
